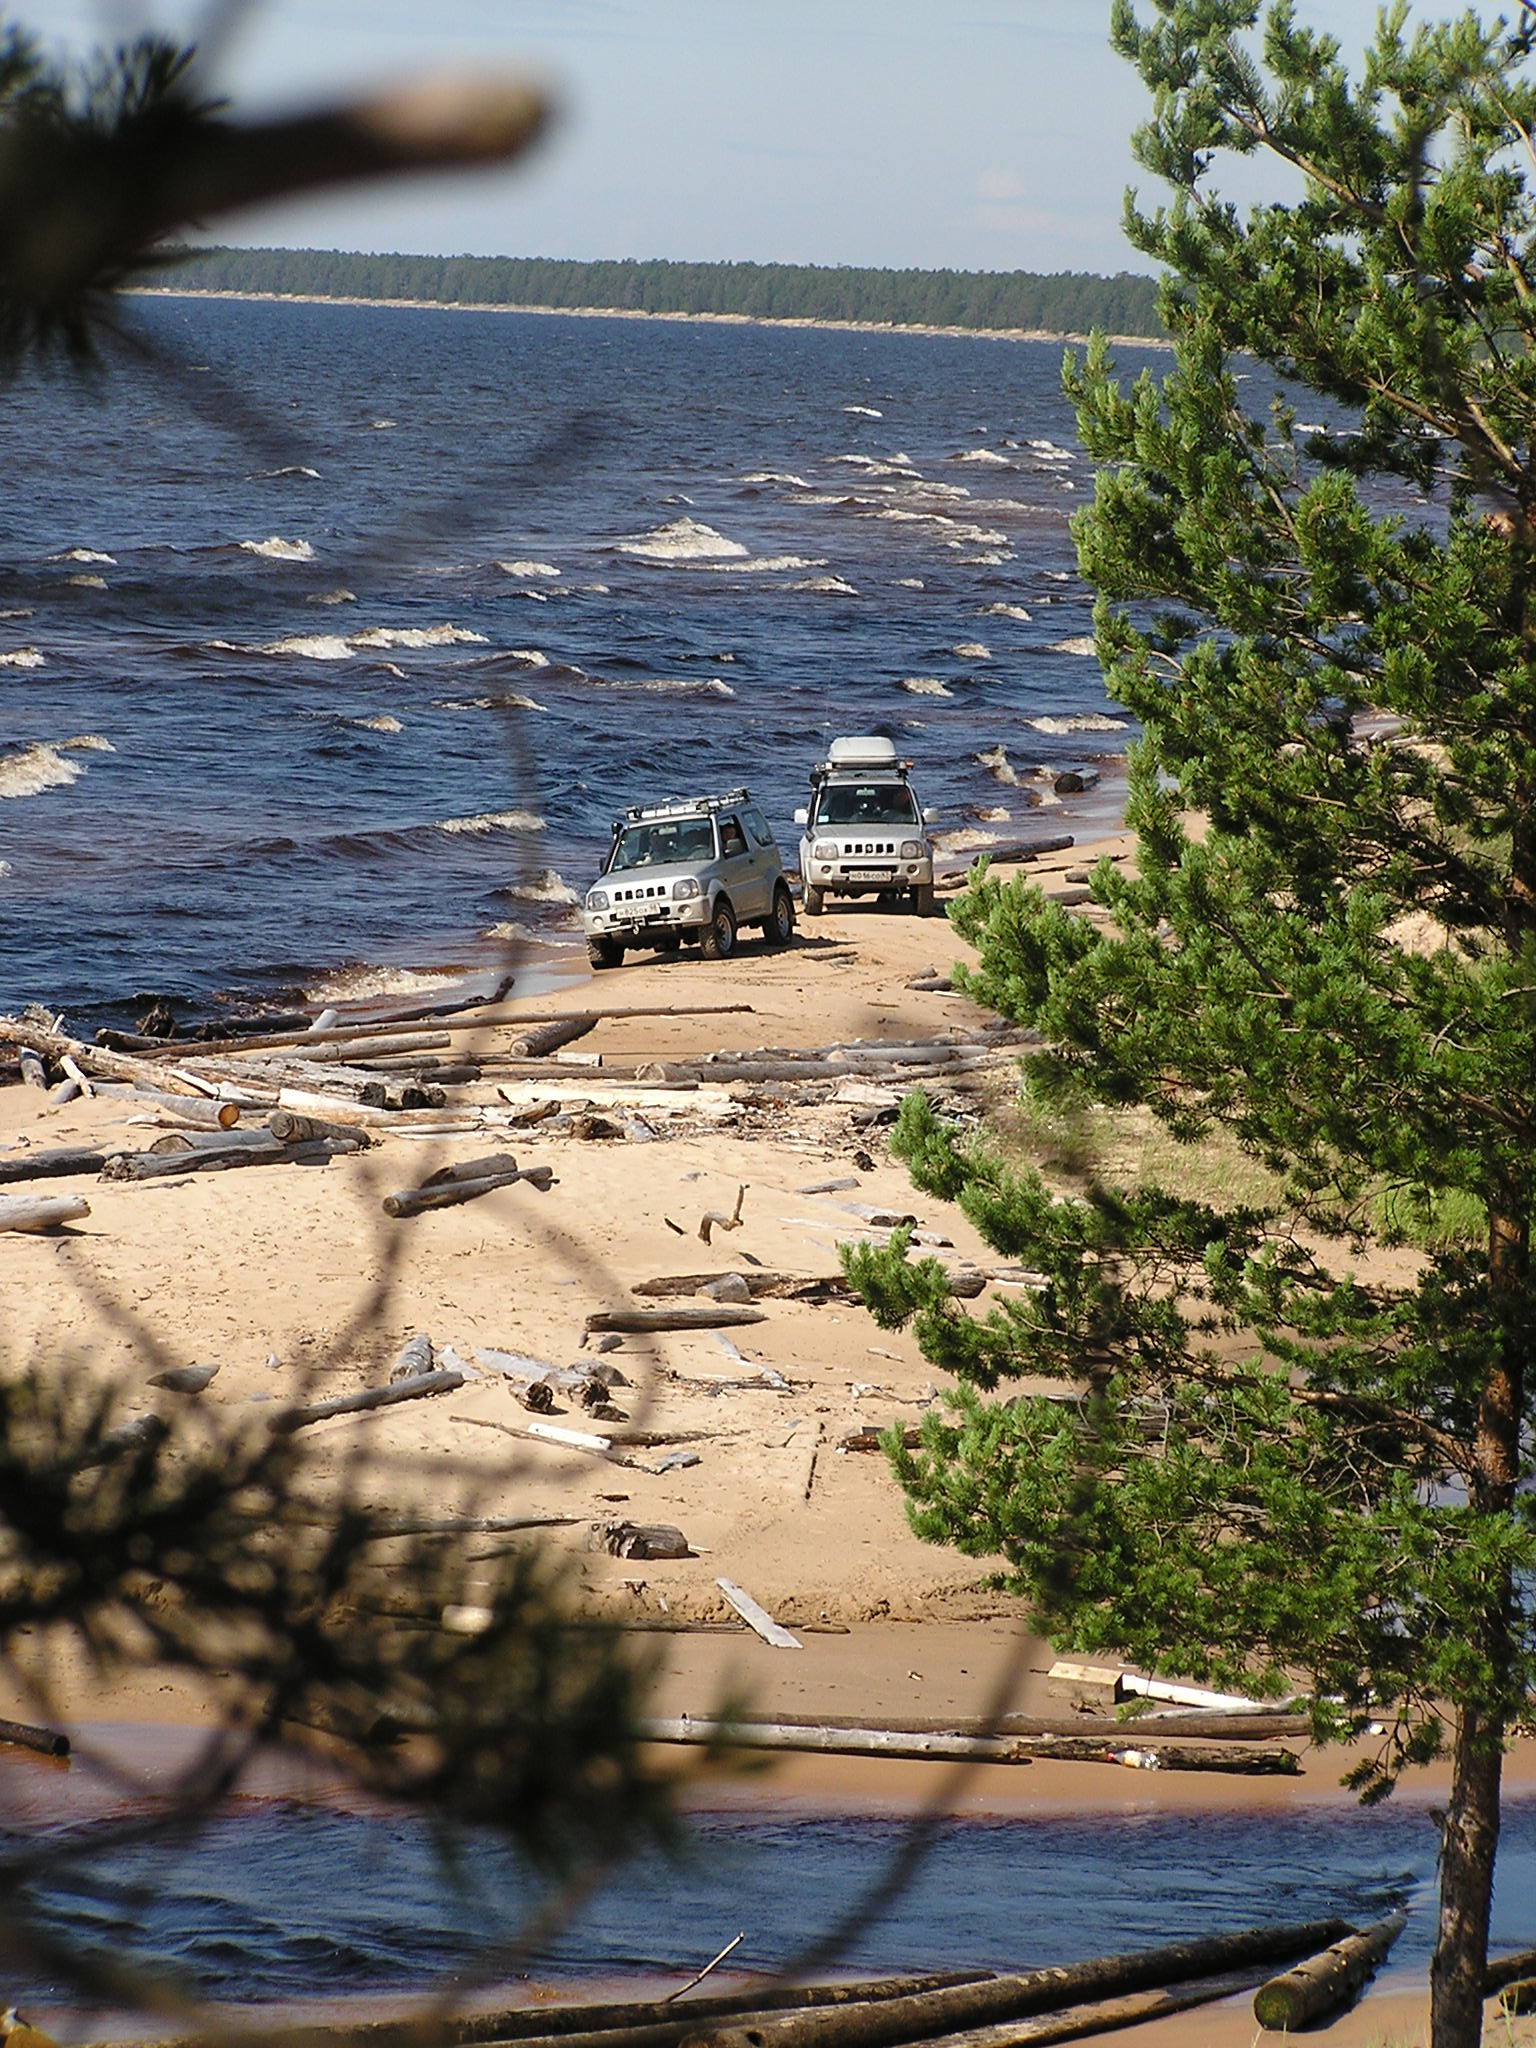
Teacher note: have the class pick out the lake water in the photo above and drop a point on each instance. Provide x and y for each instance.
(332, 638)
(283, 1900)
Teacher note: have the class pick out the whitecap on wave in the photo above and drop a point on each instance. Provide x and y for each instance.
(378, 721)
(777, 476)
(826, 586)
(524, 569)
(1050, 452)
(1081, 721)
(926, 686)
(987, 558)
(305, 646)
(275, 549)
(85, 555)
(547, 886)
(972, 650)
(866, 411)
(1005, 611)
(1078, 643)
(360, 983)
(21, 657)
(417, 636)
(763, 565)
(682, 540)
(910, 583)
(492, 821)
(263, 476)
(332, 597)
(86, 582)
(382, 426)
(87, 743)
(987, 455)
(507, 700)
(669, 686)
(17, 611)
(1057, 575)
(997, 764)
(28, 771)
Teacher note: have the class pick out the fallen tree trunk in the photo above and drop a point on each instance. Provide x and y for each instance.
(158, 1165)
(358, 1034)
(1509, 1970)
(23, 1735)
(417, 1201)
(55, 1165)
(1327, 1982)
(722, 1315)
(41, 1212)
(98, 1059)
(291, 1127)
(829, 1740)
(1100, 2016)
(287, 1420)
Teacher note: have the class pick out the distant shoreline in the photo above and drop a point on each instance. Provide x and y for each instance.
(158, 291)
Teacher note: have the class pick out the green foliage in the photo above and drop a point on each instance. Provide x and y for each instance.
(1272, 1459)
(1064, 302)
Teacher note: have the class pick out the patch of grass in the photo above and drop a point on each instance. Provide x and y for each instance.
(1428, 1221)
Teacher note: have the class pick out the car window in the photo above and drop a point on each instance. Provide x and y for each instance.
(866, 803)
(666, 843)
(757, 825)
(732, 838)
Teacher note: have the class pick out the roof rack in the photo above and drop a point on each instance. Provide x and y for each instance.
(684, 806)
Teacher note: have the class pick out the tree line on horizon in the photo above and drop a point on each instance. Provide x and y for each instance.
(1062, 302)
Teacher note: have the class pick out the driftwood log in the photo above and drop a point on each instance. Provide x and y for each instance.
(287, 1420)
(46, 1741)
(722, 1315)
(221, 1158)
(41, 1212)
(1505, 1970)
(291, 1127)
(359, 1034)
(1328, 1982)
(939, 1745)
(448, 1189)
(98, 1059)
(57, 1164)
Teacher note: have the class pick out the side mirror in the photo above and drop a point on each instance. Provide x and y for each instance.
(802, 817)
(930, 817)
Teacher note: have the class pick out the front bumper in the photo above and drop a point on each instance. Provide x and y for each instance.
(852, 877)
(641, 922)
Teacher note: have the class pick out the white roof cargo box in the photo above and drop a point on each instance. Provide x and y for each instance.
(870, 752)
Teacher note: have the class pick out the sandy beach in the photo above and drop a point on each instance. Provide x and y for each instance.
(262, 1272)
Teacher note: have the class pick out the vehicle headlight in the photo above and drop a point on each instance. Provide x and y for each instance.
(824, 849)
(911, 849)
(685, 889)
(597, 899)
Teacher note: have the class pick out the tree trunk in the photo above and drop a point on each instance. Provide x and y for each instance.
(1470, 1838)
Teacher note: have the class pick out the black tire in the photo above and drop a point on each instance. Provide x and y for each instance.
(779, 924)
(668, 942)
(813, 900)
(605, 952)
(718, 940)
(922, 900)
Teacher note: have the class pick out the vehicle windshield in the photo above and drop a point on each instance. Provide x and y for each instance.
(666, 843)
(866, 803)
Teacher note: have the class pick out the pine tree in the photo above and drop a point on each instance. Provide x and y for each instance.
(1285, 1469)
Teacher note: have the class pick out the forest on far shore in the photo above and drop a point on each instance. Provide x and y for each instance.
(1064, 302)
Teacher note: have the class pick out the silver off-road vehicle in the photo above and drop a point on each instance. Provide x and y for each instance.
(691, 870)
(864, 831)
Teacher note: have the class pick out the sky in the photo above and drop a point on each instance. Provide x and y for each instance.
(964, 134)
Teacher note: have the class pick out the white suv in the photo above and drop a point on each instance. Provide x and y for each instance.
(694, 869)
(864, 831)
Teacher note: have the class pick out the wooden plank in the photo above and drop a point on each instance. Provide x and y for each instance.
(757, 1617)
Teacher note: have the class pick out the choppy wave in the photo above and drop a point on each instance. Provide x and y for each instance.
(303, 646)
(1078, 643)
(21, 657)
(383, 426)
(332, 597)
(87, 743)
(777, 476)
(378, 721)
(997, 764)
(1078, 721)
(972, 650)
(359, 983)
(276, 549)
(926, 686)
(28, 771)
(264, 476)
(988, 558)
(988, 455)
(910, 583)
(682, 540)
(17, 611)
(492, 821)
(538, 596)
(1052, 452)
(86, 582)
(504, 700)
(85, 555)
(1057, 575)
(417, 636)
(547, 886)
(867, 412)
(826, 586)
(1005, 611)
(668, 686)
(522, 569)
(761, 565)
